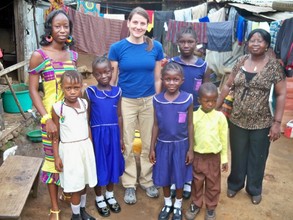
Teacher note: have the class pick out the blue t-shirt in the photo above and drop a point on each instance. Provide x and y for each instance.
(136, 67)
(193, 77)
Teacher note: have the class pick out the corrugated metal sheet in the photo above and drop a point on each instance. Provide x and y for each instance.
(277, 15)
(253, 8)
(263, 3)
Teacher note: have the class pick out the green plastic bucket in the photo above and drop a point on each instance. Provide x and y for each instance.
(23, 96)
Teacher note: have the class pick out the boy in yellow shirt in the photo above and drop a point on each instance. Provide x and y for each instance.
(210, 151)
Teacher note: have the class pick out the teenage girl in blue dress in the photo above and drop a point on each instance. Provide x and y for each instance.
(196, 72)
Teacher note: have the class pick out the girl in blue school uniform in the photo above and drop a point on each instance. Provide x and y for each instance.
(171, 149)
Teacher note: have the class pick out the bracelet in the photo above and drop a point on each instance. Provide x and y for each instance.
(45, 118)
(276, 121)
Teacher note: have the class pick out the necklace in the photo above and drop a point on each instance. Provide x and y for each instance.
(259, 63)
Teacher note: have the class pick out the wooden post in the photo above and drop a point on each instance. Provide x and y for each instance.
(3, 72)
(20, 35)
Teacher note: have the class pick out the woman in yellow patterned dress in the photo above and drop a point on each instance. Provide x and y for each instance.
(50, 62)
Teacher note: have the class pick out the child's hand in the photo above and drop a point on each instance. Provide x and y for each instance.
(122, 146)
(58, 164)
(152, 156)
(189, 157)
(225, 167)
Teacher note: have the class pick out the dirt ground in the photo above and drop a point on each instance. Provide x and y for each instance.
(277, 189)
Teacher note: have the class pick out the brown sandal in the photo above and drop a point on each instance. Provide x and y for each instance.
(54, 215)
(65, 198)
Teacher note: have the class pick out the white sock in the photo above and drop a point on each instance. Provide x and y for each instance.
(168, 201)
(75, 209)
(83, 200)
(178, 203)
(110, 195)
(101, 204)
(173, 187)
(187, 187)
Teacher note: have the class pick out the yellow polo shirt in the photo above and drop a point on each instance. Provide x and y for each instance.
(211, 133)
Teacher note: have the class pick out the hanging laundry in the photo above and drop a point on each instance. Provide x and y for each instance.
(175, 26)
(199, 11)
(204, 19)
(233, 16)
(274, 28)
(219, 36)
(160, 18)
(284, 44)
(94, 35)
(89, 8)
(217, 16)
(240, 29)
(151, 22)
(115, 16)
(54, 5)
(183, 14)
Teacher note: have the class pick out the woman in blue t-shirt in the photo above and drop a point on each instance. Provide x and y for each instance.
(137, 65)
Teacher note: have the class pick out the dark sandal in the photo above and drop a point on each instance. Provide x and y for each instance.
(164, 214)
(113, 207)
(104, 211)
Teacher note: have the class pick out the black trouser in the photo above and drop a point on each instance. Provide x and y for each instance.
(249, 153)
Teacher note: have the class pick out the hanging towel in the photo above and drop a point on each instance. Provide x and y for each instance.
(219, 36)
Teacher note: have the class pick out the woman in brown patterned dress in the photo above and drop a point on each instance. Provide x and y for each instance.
(252, 126)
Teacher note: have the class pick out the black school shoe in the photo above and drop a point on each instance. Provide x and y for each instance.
(104, 211)
(165, 213)
(84, 215)
(76, 217)
(113, 207)
(177, 214)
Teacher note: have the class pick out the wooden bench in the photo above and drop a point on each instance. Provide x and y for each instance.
(18, 176)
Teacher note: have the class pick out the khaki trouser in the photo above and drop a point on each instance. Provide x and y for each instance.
(137, 113)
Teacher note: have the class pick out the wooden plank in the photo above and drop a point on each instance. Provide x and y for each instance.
(13, 67)
(17, 175)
